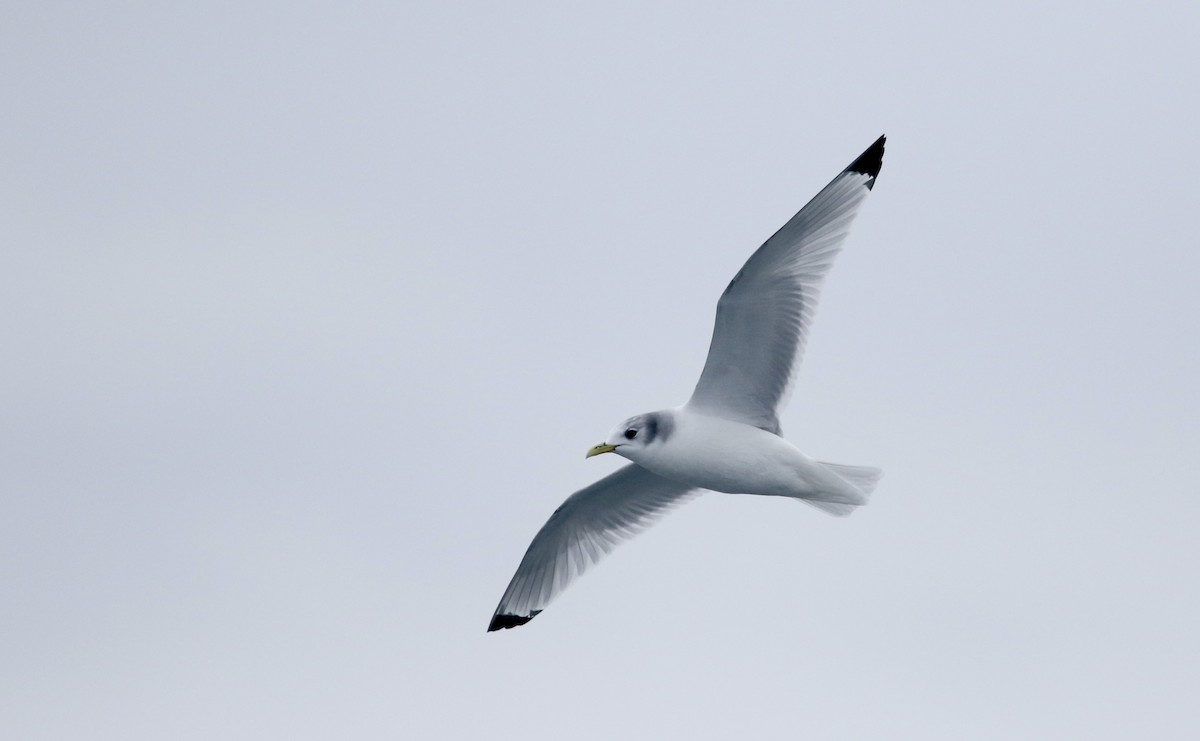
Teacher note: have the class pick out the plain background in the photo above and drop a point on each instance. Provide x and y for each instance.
(309, 312)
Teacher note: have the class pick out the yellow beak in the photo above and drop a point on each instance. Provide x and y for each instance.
(601, 448)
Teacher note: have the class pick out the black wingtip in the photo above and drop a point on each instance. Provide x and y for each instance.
(869, 162)
(500, 622)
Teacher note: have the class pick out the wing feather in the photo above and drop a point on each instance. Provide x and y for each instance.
(584, 529)
(764, 315)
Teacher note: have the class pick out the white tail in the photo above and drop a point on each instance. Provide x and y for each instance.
(862, 478)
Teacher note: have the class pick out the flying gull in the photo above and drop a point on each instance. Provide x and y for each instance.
(726, 437)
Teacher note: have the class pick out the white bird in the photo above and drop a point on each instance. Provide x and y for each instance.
(726, 437)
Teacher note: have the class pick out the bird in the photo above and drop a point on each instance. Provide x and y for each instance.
(726, 437)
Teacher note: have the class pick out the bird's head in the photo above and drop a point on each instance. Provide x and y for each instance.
(635, 434)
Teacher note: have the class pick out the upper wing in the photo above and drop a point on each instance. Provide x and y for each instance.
(582, 531)
(764, 314)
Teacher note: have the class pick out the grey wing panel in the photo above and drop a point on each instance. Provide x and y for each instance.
(764, 315)
(585, 528)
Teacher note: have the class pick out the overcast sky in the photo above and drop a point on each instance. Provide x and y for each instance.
(310, 311)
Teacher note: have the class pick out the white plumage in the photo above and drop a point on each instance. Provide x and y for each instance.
(727, 437)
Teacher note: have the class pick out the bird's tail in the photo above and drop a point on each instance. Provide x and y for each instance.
(863, 480)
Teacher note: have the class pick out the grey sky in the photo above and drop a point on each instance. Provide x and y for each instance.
(310, 313)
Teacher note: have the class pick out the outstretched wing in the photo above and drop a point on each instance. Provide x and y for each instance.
(581, 531)
(764, 314)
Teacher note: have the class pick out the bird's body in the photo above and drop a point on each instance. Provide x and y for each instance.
(718, 454)
(727, 437)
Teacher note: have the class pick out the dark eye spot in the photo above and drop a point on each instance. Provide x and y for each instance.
(630, 433)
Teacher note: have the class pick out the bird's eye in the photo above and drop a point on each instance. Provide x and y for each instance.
(630, 433)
